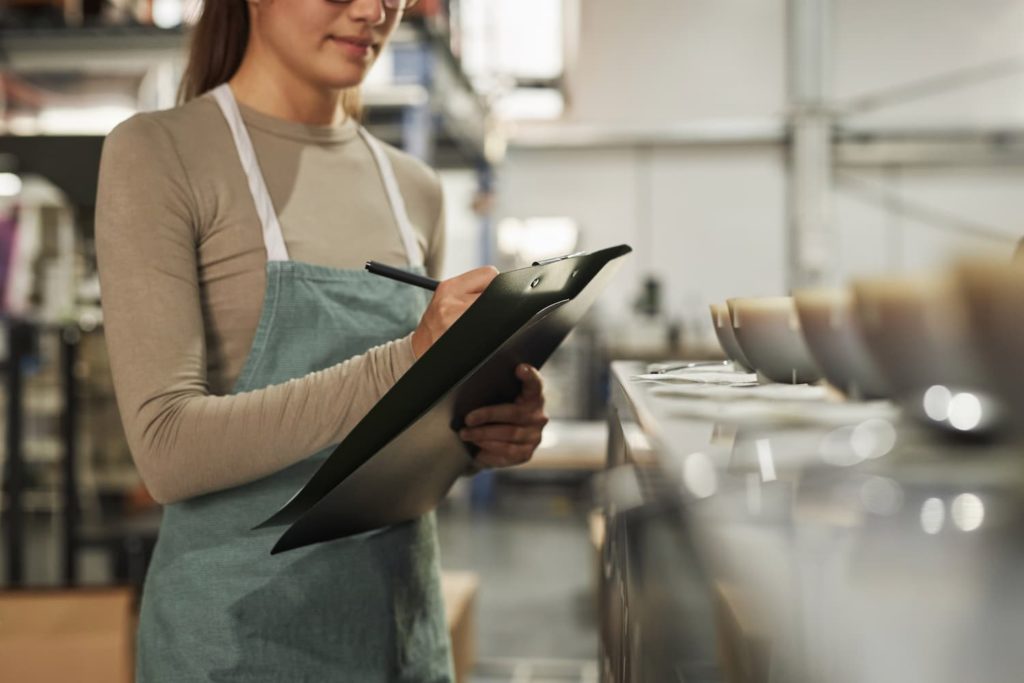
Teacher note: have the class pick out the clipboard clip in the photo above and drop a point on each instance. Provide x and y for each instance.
(558, 258)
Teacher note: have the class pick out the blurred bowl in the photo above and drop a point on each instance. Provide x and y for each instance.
(993, 295)
(834, 339)
(768, 332)
(916, 329)
(726, 337)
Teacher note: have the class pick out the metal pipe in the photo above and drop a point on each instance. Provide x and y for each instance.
(932, 85)
(69, 340)
(928, 215)
(14, 464)
(810, 245)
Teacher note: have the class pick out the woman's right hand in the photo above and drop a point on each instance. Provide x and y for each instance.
(451, 299)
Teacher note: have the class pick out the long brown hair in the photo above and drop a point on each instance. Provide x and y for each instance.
(216, 48)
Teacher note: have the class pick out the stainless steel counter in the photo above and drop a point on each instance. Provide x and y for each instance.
(784, 535)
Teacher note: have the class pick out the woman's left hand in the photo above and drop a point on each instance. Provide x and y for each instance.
(509, 433)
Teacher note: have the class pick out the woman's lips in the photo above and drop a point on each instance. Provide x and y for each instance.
(353, 46)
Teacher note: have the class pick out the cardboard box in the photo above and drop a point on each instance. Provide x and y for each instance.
(83, 635)
(459, 589)
(87, 635)
(744, 643)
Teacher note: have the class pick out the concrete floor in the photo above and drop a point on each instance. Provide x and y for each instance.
(536, 566)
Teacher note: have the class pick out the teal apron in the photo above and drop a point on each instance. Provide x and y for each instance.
(216, 605)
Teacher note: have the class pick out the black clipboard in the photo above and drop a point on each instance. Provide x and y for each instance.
(403, 457)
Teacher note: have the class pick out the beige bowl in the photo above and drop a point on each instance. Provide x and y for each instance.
(993, 293)
(836, 344)
(768, 332)
(916, 330)
(726, 337)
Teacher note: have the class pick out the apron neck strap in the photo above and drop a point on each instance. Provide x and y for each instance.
(387, 176)
(273, 238)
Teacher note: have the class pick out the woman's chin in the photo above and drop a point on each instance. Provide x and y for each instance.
(350, 79)
(340, 75)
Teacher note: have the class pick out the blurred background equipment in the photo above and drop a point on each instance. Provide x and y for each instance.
(698, 524)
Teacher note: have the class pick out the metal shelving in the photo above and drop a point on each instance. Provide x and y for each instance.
(429, 108)
(76, 481)
(127, 49)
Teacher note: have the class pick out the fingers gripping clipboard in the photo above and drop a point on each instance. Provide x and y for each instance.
(403, 457)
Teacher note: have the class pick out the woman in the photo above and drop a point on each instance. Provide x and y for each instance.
(244, 337)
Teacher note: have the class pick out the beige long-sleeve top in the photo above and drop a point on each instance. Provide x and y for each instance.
(182, 271)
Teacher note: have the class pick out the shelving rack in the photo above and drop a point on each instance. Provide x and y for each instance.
(22, 345)
(428, 107)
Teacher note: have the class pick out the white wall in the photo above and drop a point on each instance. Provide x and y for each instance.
(663, 61)
(880, 45)
(873, 238)
(711, 221)
(708, 222)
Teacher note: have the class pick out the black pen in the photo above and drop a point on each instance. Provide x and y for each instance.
(401, 275)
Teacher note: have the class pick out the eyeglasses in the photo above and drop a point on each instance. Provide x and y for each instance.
(393, 5)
